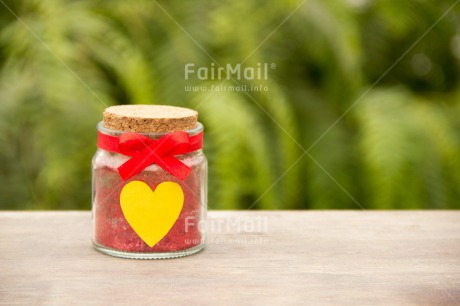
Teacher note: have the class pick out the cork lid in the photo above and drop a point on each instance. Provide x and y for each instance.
(149, 118)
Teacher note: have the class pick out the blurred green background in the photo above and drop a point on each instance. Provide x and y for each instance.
(362, 108)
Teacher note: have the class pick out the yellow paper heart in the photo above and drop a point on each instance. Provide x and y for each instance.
(151, 214)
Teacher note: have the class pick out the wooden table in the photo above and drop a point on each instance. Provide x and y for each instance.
(256, 257)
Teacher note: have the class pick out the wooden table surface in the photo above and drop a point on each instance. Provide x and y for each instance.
(252, 257)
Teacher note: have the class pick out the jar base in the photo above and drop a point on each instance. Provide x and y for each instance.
(162, 255)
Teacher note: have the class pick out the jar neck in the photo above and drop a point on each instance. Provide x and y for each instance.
(102, 129)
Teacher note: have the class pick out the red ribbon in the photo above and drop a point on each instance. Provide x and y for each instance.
(145, 151)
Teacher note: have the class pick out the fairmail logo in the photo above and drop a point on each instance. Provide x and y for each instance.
(236, 72)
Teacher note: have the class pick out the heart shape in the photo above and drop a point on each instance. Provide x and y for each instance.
(151, 214)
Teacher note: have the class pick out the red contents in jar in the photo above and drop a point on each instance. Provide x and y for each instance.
(113, 231)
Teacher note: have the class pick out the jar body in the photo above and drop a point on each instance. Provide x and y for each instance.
(115, 233)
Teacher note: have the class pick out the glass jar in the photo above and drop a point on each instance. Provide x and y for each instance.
(153, 214)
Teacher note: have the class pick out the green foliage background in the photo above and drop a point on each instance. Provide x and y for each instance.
(396, 144)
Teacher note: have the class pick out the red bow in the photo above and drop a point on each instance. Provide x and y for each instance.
(145, 151)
